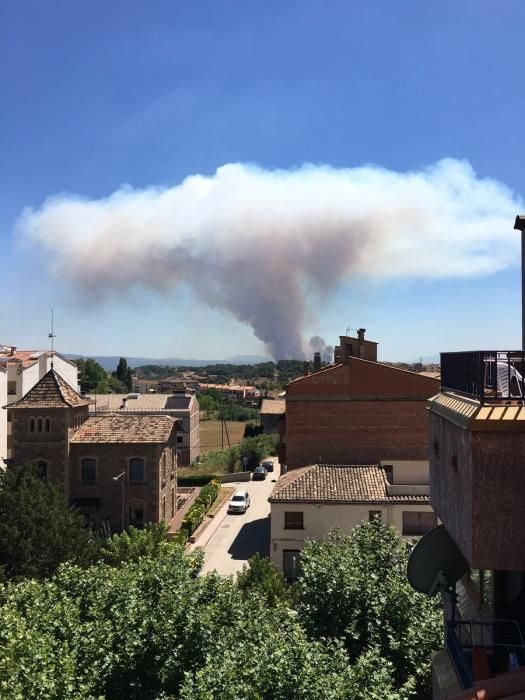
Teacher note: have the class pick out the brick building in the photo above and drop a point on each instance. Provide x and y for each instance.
(119, 469)
(357, 411)
(477, 488)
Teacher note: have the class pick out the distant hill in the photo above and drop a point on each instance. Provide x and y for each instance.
(110, 362)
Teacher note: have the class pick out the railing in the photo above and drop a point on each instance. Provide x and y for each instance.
(463, 636)
(490, 376)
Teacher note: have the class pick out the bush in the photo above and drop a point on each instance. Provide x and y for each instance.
(198, 510)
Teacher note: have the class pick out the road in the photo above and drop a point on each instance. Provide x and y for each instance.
(240, 536)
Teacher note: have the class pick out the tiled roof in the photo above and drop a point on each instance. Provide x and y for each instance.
(118, 428)
(273, 406)
(145, 402)
(51, 392)
(336, 483)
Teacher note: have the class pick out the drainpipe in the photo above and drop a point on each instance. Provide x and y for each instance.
(519, 225)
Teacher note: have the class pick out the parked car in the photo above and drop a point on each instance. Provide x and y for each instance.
(268, 465)
(239, 502)
(259, 473)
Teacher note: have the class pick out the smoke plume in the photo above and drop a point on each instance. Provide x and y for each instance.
(258, 243)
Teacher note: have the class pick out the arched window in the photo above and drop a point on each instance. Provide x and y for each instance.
(31, 425)
(88, 470)
(136, 470)
(41, 469)
(163, 469)
(47, 425)
(136, 515)
(39, 425)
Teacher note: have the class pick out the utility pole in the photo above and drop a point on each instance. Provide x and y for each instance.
(519, 225)
(122, 477)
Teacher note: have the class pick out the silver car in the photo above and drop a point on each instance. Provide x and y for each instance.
(239, 502)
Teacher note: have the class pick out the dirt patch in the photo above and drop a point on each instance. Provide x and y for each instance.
(213, 437)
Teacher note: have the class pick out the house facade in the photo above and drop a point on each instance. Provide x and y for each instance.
(118, 469)
(358, 411)
(310, 501)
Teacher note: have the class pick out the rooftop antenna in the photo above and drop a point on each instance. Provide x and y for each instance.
(52, 337)
(349, 329)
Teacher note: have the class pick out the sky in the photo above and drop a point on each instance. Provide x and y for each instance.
(133, 134)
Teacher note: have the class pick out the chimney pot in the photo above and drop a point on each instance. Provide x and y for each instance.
(317, 362)
(361, 334)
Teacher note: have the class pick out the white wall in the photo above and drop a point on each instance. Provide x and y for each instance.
(3, 415)
(319, 519)
(408, 471)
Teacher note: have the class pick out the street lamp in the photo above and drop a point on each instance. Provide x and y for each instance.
(122, 476)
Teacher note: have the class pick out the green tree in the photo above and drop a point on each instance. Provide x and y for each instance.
(135, 544)
(354, 588)
(123, 374)
(260, 574)
(93, 378)
(38, 530)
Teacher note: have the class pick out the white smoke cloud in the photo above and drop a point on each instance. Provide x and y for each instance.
(254, 242)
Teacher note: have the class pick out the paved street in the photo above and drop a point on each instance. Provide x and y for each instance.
(240, 536)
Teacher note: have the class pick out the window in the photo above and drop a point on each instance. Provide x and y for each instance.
(293, 521)
(136, 516)
(9, 416)
(88, 470)
(291, 564)
(418, 522)
(373, 514)
(11, 388)
(136, 470)
(39, 425)
(389, 472)
(172, 501)
(164, 508)
(163, 468)
(179, 438)
(31, 425)
(47, 425)
(41, 468)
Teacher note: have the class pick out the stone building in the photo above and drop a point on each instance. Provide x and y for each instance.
(356, 411)
(181, 405)
(19, 371)
(118, 469)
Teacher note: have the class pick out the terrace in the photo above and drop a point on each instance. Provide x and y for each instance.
(492, 377)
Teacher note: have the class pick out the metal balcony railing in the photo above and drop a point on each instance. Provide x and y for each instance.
(502, 637)
(489, 376)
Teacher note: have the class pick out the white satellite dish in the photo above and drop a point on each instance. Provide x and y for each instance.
(436, 562)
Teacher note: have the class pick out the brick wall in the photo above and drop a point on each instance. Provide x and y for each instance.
(357, 413)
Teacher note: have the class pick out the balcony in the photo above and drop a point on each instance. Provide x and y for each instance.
(488, 376)
(484, 649)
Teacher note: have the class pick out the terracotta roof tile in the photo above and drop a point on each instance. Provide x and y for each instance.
(118, 428)
(273, 406)
(337, 483)
(51, 392)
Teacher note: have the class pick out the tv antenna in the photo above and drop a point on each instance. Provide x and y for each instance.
(52, 337)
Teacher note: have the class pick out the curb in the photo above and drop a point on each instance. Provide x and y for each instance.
(211, 528)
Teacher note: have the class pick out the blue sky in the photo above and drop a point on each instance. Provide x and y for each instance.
(96, 95)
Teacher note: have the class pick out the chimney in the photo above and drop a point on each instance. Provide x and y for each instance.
(361, 338)
(317, 362)
(124, 403)
(305, 369)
